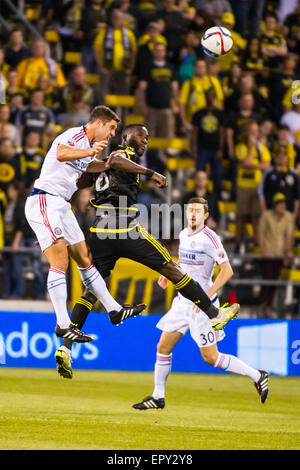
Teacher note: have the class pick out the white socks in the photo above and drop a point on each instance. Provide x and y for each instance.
(93, 281)
(161, 372)
(235, 365)
(57, 288)
(224, 361)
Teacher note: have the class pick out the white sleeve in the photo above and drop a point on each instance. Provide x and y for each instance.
(215, 249)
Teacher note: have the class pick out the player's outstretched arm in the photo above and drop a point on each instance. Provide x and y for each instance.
(118, 162)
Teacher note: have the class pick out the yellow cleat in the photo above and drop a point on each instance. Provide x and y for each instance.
(226, 313)
(63, 362)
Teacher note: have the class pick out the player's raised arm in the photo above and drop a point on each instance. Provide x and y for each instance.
(118, 162)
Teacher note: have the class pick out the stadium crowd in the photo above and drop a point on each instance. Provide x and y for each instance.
(240, 114)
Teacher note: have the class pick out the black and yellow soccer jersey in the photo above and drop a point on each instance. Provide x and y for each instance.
(273, 41)
(30, 164)
(112, 184)
(116, 231)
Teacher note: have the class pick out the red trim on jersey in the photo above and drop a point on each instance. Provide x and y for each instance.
(78, 134)
(79, 137)
(43, 209)
(58, 271)
(211, 237)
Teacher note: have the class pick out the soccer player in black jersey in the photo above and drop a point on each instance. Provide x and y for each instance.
(117, 233)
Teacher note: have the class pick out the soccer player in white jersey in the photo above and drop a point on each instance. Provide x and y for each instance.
(199, 250)
(50, 215)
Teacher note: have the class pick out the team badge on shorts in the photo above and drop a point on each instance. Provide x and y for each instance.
(57, 231)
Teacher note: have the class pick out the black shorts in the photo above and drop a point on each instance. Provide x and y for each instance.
(141, 248)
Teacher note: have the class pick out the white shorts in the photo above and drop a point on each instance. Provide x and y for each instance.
(181, 317)
(51, 218)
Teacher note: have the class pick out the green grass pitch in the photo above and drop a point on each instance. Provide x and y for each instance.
(40, 410)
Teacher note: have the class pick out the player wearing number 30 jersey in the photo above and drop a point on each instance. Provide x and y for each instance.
(200, 249)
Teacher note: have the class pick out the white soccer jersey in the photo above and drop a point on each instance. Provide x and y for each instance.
(198, 254)
(60, 178)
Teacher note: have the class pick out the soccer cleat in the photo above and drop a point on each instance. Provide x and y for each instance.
(262, 386)
(63, 361)
(150, 403)
(126, 312)
(73, 334)
(225, 314)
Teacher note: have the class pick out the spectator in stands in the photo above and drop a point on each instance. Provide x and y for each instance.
(31, 159)
(16, 50)
(279, 178)
(158, 92)
(273, 43)
(52, 100)
(10, 131)
(266, 133)
(201, 190)
(283, 144)
(248, 15)
(93, 19)
(276, 233)
(78, 116)
(16, 104)
(280, 82)
(247, 84)
(231, 79)
(7, 129)
(187, 57)
(78, 89)
(292, 120)
(208, 139)
(253, 59)
(9, 164)
(12, 88)
(146, 44)
(214, 9)
(13, 278)
(115, 52)
(146, 12)
(36, 117)
(174, 28)
(29, 70)
(192, 92)
(237, 120)
(253, 158)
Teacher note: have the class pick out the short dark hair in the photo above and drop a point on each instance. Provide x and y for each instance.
(199, 200)
(103, 113)
(132, 126)
(271, 14)
(15, 30)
